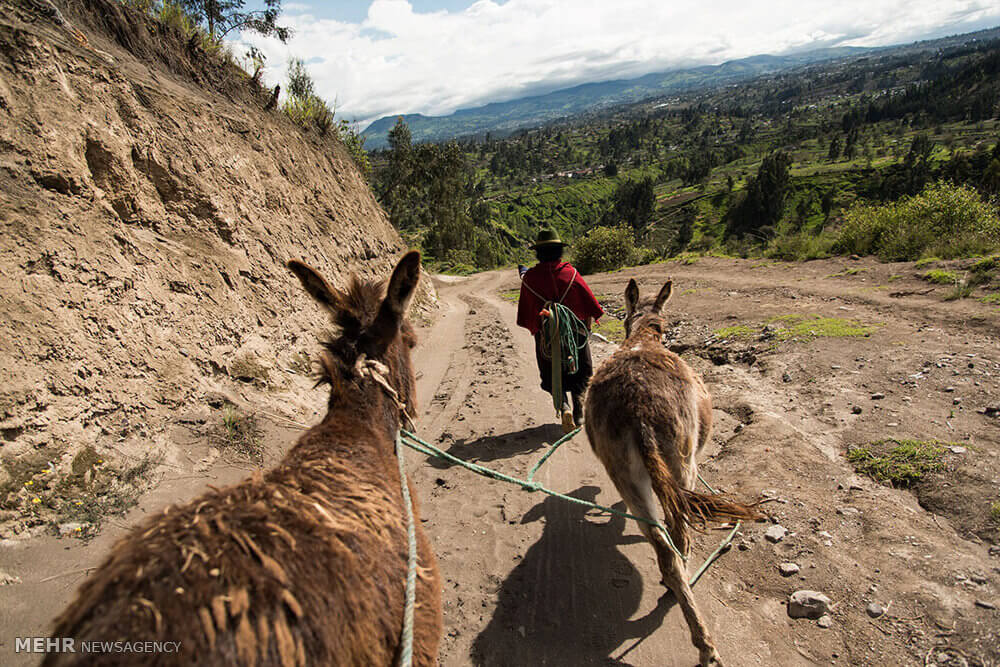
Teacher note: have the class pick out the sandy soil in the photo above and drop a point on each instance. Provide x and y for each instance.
(530, 581)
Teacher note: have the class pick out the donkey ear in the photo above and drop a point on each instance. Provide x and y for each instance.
(315, 284)
(631, 296)
(397, 298)
(663, 296)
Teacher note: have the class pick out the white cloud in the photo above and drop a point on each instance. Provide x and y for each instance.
(401, 61)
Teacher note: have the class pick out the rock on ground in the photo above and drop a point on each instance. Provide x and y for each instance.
(808, 604)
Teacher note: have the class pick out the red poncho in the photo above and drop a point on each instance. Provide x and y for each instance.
(551, 280)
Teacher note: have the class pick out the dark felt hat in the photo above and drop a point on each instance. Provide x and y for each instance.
(546, 237)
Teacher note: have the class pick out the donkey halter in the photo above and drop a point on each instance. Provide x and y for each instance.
(379, 373)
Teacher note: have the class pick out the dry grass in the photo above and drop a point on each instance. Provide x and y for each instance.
(239, 432)
(37, 491)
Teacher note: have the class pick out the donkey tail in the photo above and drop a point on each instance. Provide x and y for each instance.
(674, 500)
(690, 507)
(704, 508)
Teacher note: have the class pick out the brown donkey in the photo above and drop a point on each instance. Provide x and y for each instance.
(305, 564)
(647, 416)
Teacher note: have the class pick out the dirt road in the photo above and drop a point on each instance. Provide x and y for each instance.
(811, 359)
(530, 580)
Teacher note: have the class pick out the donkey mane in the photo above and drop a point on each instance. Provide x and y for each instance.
(359, 304)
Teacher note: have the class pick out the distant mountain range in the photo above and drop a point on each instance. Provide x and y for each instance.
(505, 117)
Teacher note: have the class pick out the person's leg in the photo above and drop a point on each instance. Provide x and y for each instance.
(577, 382)
(578, 408)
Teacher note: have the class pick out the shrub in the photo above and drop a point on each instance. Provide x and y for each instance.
(355, 145)
(303, 105)
(604, 249)
(306, 111)
(802, 245)
(986, 266)
(944, 220)
(174, 16)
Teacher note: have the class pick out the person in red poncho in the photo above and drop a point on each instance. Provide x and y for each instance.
(555, 280)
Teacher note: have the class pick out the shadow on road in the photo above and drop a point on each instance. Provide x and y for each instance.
(502, 446)
(570, 599)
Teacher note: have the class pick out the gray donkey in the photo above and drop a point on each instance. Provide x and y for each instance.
(647, 416)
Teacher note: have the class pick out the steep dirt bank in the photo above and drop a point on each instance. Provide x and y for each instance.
(148, 205)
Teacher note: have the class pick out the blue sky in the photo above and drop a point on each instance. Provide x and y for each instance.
(385, 57)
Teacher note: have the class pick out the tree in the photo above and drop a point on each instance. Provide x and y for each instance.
(826, 204)
(685, 231)
(834, 149)
(445, 206)
(303, 105)
(300, 84)
(991, 178)
(225, 16)
(355, 145)
(764, 203)
(633, 204)
(397, 169)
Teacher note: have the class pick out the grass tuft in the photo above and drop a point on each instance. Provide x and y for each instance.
(239, 432)
(941, 277)
(847, 272)
(900, 463)
(739, 331)
(991, 299)
(512, 295)
(611, 328)
(802, 327)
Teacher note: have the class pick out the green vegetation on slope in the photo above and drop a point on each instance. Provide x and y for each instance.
(825, 159)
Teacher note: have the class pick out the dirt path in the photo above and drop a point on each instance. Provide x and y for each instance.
(536, 581)
(530, 580)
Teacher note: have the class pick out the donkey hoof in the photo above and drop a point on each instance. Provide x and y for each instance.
(709, 658)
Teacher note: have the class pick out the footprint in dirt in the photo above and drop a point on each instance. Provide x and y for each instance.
(569, 600)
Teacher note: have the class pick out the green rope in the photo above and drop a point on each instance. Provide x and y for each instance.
(552, 450)
(718, 550)
(414, 442)
(406, 639)
(563, 335)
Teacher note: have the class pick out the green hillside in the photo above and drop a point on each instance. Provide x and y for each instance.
(778, 166)
(504, 117)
